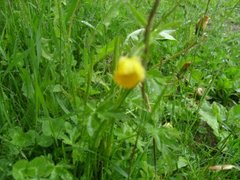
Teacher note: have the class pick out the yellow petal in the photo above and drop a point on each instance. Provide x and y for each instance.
(129, 72)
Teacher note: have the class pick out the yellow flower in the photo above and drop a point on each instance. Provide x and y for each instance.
(129, 72)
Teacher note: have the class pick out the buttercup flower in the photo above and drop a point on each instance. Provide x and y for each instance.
(129, 72)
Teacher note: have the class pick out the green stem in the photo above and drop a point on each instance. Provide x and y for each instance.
(154, 157)
(133, 153)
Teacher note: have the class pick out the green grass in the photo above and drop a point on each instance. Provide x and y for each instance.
(63, 117)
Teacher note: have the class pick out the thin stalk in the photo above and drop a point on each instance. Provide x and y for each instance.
(72, 19)
(154, 157)
(192, 44)
(148, 31)
(132, 155)
(146, 49)
(206, 10)
(146, 57)
(202, 99)
(144, 94)
(145, 97)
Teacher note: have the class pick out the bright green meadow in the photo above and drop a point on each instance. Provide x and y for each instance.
(62, 116)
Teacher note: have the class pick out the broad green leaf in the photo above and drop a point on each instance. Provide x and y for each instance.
(44, 141)
(21, 139)
(234, 118)
(234, 113)
(224, 83)
(53, 127)
(209, 117)
(71, 133)
(41, 167)
(60, 172)
(219, 111)
(19, 169)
